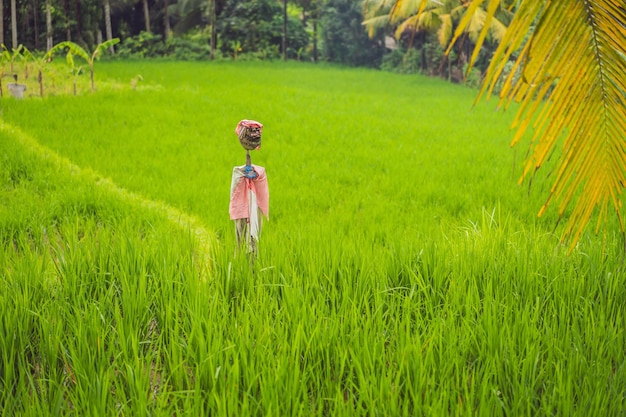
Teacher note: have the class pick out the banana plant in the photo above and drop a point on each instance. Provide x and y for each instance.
(77, 50)
(75, 71)
(40, 62)
(16, 53)
(5, 56)
(19, 54)
(236, 46)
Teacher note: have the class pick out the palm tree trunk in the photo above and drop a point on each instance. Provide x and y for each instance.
(1, 24)
(13, 24)
(79, 22)
(212, 23)
(315, 40)
(36, 23)
(66, 11)
(107, 22)
(166, 18)
(146, 15)
(48, 26)
(285, 30)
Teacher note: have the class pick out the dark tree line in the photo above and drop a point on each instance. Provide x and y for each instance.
(312, 30)
(290, 29)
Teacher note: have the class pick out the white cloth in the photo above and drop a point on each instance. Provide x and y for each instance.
(249, 202)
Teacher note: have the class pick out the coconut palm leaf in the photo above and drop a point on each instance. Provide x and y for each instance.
(435, 15)
(497, 29)
(375, 23)
(428, 20)
(572, 95)
(393, 11)
(405, 8)
(477, 22)
(444, 34)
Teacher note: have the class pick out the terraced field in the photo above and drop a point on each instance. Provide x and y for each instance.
(402, 271)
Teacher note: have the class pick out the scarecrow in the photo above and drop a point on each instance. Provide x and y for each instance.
(249, 192)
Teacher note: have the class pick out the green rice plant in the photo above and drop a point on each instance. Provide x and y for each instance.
(401, 271)
(71, 275)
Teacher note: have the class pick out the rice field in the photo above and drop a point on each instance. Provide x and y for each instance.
(402, 272)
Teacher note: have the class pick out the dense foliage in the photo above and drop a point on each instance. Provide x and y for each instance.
(256, 26)
(329, 30)
(345, 38)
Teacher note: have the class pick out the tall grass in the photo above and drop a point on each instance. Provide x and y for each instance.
(402, 271)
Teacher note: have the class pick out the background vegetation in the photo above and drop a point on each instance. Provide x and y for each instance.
(401, 272)
(308, 30)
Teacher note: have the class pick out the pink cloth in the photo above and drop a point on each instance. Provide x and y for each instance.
(247, 123)
(239, 193)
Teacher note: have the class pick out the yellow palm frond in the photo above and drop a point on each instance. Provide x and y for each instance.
(373, 8)
(405, 8)
(427, 20)
(375, 23)
(497, 29)
(411, 24)
(445, 30)
(382, 13)
(457, 12)
(572, 93)
(477, 21)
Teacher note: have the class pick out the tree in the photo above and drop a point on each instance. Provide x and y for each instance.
(79, 21)
(249, 23)
(257, 26)
(146, 15)
(345, 39)
(66, 13)
(13, 24)
(311, 12)
(49, 42)
(284, 43)
(572, 90)
(107, 21)
(1, 22)
(166, 20)
(406, 18)
(35, 10)
(315, 16)
(212, 23)
(190, 14)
